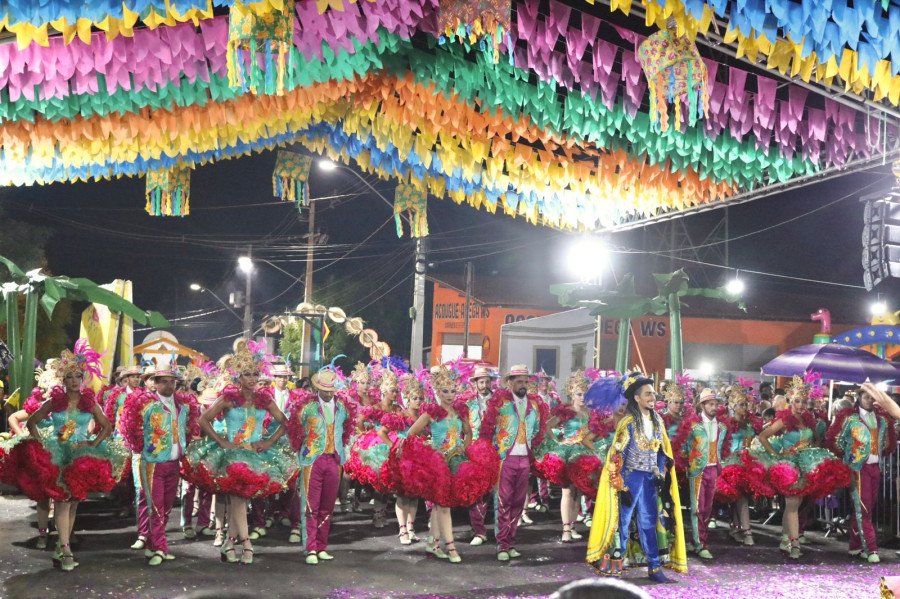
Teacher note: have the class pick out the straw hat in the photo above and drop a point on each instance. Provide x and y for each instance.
(336, 315)
(368, 337)
(517, 370)
(706, 395)
(481, 372)
(354, 326)
(325, 380)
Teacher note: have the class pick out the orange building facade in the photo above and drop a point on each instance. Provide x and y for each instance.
(728, 343)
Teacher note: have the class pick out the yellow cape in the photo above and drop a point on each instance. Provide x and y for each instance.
(606, 507)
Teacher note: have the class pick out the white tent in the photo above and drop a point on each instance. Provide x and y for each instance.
(558, 343)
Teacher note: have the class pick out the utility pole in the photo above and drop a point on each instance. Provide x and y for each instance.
(470, 275)
(417, 312)
(248, 308)
(307, 284)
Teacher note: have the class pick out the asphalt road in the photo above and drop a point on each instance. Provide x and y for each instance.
(370, 563)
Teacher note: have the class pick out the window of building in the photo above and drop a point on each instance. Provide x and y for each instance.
(548, 359)
(579, 355)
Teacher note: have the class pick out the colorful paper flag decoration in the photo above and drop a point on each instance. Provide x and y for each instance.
(472, 20)
(415, 203)
(675, 73)
(253, 37)
(169, 192)
(290, 177)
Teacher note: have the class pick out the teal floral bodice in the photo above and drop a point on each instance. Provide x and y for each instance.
(447, 434)
(244, 424)
(792, 441)
(71, 426)
(574, 429)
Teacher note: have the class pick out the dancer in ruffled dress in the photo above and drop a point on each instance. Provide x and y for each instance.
(70, 461)
(46, 380)
(394, 427)
(447, 470)
(568, 457)
(732, 487)
(239, 460)
(795, 468)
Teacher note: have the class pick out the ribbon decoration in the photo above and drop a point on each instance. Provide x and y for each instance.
(472, 20)
(169, 192)
(413, 201)
(675, 73)
(249, 35)
(290, 177)
(33, 21)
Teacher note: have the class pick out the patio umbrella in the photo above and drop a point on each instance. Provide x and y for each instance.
(833, 361)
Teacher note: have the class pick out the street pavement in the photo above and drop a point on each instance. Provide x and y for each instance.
(371, 563)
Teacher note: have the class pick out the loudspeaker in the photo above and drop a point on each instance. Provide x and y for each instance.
(881, 237)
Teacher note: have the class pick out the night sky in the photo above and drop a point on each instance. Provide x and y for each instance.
(102, 232)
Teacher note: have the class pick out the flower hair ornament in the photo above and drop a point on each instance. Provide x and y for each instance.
(361, 374)
(441, 377)
(249, 356)
(580, 380)
(83, 360)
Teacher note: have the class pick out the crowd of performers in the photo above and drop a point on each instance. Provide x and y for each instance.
(240, 441)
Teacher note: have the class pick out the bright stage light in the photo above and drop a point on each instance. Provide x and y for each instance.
(588, 257)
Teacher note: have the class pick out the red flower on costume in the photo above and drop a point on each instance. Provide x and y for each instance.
(584, 473)
(262, 396)
(34, 401)
(783, 476)
(59, 400)
(88, 474)
(36, 474)
(552, 468)
(476, 476)
(793, 423)
(600, 424)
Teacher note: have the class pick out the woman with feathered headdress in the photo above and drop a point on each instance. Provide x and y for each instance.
(238, 458)
(793, 467)
(46, 379)
(736, 482)
(446, 469)
(569, 458)
(69, 462)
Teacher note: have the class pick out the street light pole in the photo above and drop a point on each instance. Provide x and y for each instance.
(248, 298)
(308, 283)
(202, 289)
(417, 312)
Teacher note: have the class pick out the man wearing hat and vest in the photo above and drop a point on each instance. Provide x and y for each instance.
(481, 379)
(158, 425)
(285, 505)
(702, 442)
(515, 422)
(638, 469)
(325, 424)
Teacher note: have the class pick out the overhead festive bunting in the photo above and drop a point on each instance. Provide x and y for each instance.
(414, 202)
(169, 192)
(559, 133)
(675, 75)
(290, 177)
(253, 37)
(472, 20)
(784, 55)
